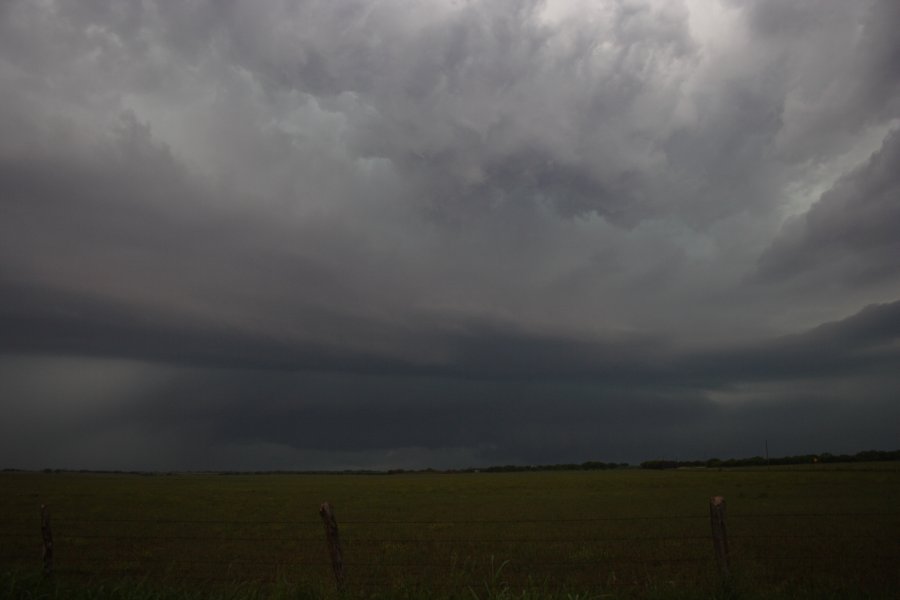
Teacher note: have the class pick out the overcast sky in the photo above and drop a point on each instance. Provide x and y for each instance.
(397, 234)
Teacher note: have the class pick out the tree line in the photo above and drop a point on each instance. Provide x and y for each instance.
(759, 461)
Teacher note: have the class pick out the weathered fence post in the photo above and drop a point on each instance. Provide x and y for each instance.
(720, 539)
(47, 536)
(334, 543)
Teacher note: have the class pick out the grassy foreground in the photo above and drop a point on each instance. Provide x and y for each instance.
(34, 587)
(815, 532)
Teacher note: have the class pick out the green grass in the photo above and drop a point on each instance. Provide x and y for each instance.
(823, 531)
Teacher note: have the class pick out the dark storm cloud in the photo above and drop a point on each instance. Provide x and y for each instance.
(813, 36)
(190, 418)
(496, 416)
(866, 342)
(72, 324)
(851, 232)
(406, 233)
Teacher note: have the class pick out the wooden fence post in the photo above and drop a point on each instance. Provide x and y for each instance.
(47, 537)
(720, 539)
(334, 543)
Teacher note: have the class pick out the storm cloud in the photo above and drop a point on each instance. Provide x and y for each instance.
(408, 234)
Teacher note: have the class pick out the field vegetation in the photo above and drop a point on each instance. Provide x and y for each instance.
(824, 530)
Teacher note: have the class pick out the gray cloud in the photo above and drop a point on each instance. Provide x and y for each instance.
(168, 418)
(850, 233)
(486, 231)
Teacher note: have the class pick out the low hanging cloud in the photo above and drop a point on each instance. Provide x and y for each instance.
(402, 233)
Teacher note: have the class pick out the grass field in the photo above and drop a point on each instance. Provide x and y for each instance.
(814, 531)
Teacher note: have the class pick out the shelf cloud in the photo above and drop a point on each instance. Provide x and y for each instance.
(299, 235)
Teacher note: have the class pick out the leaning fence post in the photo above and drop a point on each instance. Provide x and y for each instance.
(334, 543)
(47, 537)
(720, 539)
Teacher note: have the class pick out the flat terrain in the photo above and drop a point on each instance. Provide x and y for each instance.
(833, 528)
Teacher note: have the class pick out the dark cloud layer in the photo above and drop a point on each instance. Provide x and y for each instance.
(376, 234)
